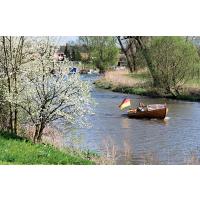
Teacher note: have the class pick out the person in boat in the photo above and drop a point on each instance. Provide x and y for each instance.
(142, 107)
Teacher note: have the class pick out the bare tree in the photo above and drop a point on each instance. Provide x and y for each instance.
(128, 47)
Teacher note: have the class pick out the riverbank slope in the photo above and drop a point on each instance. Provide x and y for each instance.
(15, 150)
(140, 83)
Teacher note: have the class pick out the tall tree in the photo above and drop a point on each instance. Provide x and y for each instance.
(12, 56)
(173, 60)
(170, 60)
(102, 51)
(46, 97)
(142, 43)
(128, 47)
(67, 52)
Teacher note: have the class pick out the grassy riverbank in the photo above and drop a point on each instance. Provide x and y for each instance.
(15, 150)
(140, 83)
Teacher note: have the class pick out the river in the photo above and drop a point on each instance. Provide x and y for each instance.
(136, 141)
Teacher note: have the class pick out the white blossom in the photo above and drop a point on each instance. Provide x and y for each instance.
(46, 90)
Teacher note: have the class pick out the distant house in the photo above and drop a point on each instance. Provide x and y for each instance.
(59, 55)
(70, 52)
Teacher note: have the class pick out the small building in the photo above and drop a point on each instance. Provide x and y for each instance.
(59, 55)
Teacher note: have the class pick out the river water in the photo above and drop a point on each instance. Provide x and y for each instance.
(136, 141)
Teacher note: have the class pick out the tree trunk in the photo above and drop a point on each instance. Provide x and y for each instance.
(147, 57)
(11, 118)
(133, 56)
(126, 54)
(12, 59)
(39, 137)
(151, 67)
(16, 120)
(39, 128)
(129, 63)
(6, 70)
(18, 60)
(15, 108)
(36, 133)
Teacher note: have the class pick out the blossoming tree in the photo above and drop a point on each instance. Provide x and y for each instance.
(47, 92)
(14, 51)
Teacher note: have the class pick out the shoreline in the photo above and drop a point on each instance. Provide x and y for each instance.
(17, 150)
(138, 90)
(22, 151)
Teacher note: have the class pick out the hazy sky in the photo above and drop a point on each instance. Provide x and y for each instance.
(65, 39)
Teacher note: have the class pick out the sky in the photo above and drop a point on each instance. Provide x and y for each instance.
(65, 39)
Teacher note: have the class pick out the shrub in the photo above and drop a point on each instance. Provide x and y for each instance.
(173, 60)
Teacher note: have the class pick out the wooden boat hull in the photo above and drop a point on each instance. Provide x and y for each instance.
(158, 112)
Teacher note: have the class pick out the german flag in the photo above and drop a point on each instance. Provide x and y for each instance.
(125, 103)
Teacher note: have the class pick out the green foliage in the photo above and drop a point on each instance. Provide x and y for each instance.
(103, 84)
(140, 62)
(141, 76)
(76, 56)
(67, 52)
(15, 150)
(72, 52)
(48, 92)
(173, 60)
(124, 89)
(131, 90)
(102, 50)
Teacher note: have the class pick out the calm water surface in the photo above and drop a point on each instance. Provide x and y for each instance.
(171, 141)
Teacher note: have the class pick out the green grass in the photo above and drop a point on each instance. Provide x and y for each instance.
(151, 92)
(103, 84)
(140, 76)
(16, 150)
(129, 90)
(124, 89)
(194, 81)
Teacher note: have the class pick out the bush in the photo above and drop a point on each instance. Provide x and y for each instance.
(173, 61)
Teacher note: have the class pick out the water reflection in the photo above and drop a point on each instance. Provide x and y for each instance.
(125, 122)
(137, 141)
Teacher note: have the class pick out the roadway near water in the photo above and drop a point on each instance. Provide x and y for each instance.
(172, 141)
